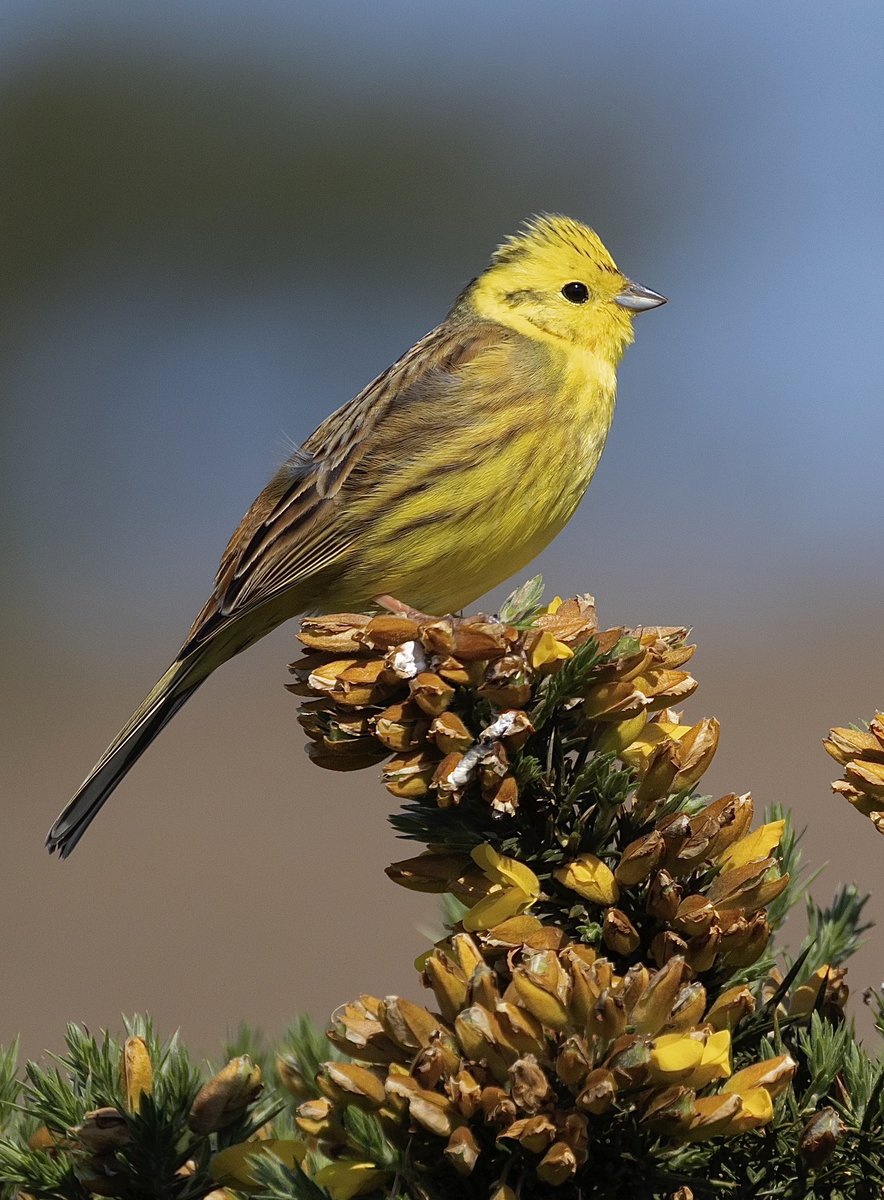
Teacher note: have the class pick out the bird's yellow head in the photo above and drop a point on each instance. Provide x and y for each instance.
(555, 279)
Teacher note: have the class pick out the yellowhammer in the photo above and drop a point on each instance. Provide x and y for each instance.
(443, 477)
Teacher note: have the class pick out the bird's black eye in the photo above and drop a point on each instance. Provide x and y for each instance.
(577, 293)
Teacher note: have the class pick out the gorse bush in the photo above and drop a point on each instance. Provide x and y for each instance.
(609, 1014)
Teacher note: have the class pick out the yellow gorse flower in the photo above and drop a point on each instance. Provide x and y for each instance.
(515, 889)
(753, 847)
(590, 878)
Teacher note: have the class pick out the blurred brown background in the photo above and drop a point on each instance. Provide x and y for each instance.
(218, 221)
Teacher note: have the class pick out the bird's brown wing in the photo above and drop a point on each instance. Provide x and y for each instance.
(288, 534)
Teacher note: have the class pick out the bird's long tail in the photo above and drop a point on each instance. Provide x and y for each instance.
(175, 687)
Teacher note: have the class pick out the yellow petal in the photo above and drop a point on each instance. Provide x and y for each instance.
(754, 846)
(589, 877)
(715, 1062)
(497, 907)
(756, 1108)
(772, 1075)
(137, 1072)
(549, 649)
(674, 1057)
(554, 605)
(343, 1180)
(507, 871)
(233, 1167)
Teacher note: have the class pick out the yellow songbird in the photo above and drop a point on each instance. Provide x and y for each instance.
(447, 474)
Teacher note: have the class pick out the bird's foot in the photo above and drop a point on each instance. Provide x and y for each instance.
(400, 609)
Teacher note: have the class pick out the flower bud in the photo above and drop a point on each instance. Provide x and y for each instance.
(534, 1134)
(653, 1008)
(821, 1135)
(543, 988)
(639, 859)
(356, 1030)
(350, 1083)
(664, 897)
(497, 1107)
(666, 945)
(409, 775)
(136, 1071)
(481, 1040)
(450, 734)
(731, 1007)
(573, 1061)
(629, 1061)
(688, 1009)
(226, 1096)
(410, 1026)
(558, 1165)
(507, 683)
(462, 1150)
(464, 1092)
(619, 934)
(102, 1130)
(702, 951)
(598, 1092)
(670, 1110)
(335, 634)
(431, 693)
(749, 887)
(607, 1019)
(724, 821)
(694, 916)
(448, 983)
(402, 727)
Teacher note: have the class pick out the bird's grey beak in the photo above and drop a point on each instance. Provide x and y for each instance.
(637, 298)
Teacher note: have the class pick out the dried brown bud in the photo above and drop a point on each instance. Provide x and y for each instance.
(431, 693)
(731, 1007)
(450, 734)
(102, 1130)
(402, 726)
(386, 631)
(640, 858)
(291, 1076)
(529, 1086)
(462, 1150)
(226, 1096)
(820, 1136)
(694, 916)
(573, 1061)
(664, 897)
(599, 1090)
(618, 933)
(667, 945)
(497, 1107)
(558, 1165)
(335, 634)
(428, 872)
(409, 775)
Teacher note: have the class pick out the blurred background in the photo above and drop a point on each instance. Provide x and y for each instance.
(218, 221)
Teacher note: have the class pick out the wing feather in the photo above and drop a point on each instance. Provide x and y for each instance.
(293, 529)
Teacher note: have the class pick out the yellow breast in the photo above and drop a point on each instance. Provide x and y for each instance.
(489, 479)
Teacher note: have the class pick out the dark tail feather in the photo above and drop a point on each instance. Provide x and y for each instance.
(175, 687)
